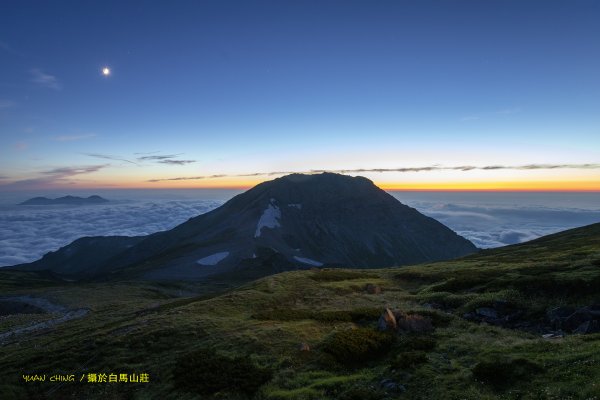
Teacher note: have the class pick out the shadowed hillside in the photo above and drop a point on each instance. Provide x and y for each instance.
(502, 324)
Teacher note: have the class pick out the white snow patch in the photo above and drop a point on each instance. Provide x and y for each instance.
(269, 218)
(308, 261)
(213, 259)
(296, 205)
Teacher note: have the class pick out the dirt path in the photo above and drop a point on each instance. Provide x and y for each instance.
(52, 308)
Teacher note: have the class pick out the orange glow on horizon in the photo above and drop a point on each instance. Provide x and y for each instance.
(490, 186)
(518, 186)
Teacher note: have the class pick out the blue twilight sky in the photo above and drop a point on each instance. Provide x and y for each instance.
(204, 88)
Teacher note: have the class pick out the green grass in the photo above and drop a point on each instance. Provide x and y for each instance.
(258, 327)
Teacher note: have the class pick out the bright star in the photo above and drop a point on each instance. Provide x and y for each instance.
(106, 71)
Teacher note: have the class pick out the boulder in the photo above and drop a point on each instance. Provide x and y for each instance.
(594, 310)
(387, 321)
(503, 306)
(303, 347)
(392, 386)
(487, 312)
(557, 316)
(553, 335)
(575, 320)
(588, 327)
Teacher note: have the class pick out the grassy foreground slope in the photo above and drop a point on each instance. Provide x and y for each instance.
(311, 334)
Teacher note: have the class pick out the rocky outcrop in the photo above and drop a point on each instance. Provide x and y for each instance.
(401, 322)
(584, 320)
(387, 321)
(499, 312)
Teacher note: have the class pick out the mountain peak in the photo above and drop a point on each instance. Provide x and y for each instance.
(296, 221)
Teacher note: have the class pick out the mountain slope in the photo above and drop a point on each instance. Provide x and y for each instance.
(297, 221)
(315, 332)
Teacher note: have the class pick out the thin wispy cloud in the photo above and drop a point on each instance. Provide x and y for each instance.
(463, 168)
(71, 138)
(158, 157)
(169, 159)
(60, 175)
(176, 162)
(110, 157)
(6, 103)
(43, 79)
(64, 172)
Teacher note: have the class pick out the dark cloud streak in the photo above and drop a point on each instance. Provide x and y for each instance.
(109, 157)
(382, 170)
(53, 176)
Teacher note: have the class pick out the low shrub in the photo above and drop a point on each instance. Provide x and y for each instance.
(409, 359)
(206, 372)
(287, 314)
(332, 275)
(416, 342)
(357, 345)
(501, 373)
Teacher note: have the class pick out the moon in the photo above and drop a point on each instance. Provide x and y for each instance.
(105, 71)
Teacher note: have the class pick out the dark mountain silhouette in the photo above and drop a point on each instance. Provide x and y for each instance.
(74, 200)
(293, 222)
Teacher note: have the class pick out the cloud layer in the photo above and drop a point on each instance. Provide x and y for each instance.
(26, 233)
(494, 221)
(489, 220)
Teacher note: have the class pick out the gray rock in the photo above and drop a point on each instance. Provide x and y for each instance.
(594, 310)
(487, 312)
(588, 327)
(554, 335)
(387, 321)
(557, 315)
(390, 385)
(575, 320)
(304, 347)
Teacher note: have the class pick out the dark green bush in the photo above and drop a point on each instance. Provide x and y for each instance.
(438, 318)
(416, 342)
(287, 314)
(206, 372)
(501, 373)
(555, 286)
(329, 275)
(409, 359)
(356, 345)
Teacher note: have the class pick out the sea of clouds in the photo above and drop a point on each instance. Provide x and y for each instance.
(29, 232)
(499, 219)
(487, 219)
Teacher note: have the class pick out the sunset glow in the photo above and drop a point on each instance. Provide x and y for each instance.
(447, 103)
